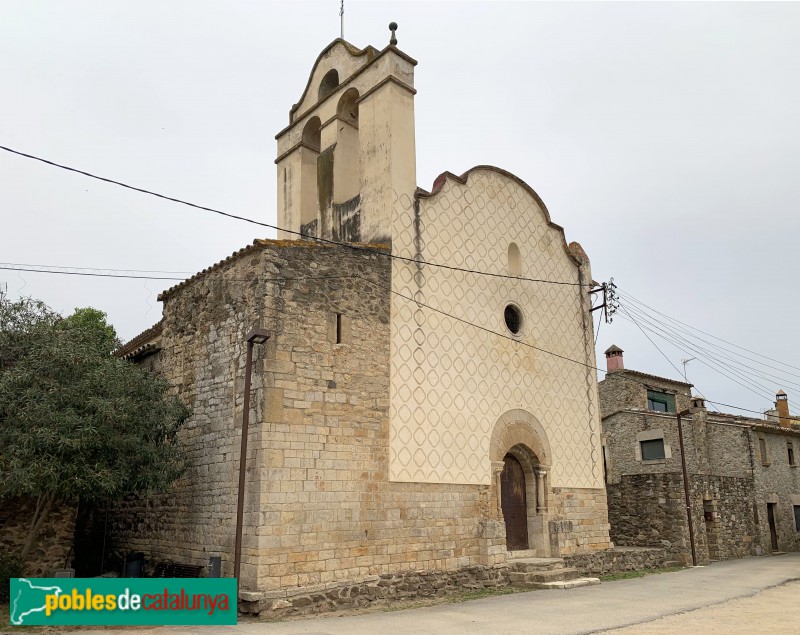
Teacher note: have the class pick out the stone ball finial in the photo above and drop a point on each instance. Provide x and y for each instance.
(393, 28)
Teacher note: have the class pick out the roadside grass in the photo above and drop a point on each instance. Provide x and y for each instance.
(400, 604)
(452, 598)
(639, 573)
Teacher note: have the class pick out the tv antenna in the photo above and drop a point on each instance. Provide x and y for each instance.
(684, 362)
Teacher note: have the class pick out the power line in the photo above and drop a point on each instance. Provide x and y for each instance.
(714, 368)
(347, 245)
(725, 360)
(288, 231)
(526, 344)
(631, 319)
(632, 298)
(719, 350)
(120, 275)
(760, 390)
(27, 264)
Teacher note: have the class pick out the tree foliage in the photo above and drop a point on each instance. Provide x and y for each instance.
(75, 421)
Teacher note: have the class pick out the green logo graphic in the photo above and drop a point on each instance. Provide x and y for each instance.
(122, 601)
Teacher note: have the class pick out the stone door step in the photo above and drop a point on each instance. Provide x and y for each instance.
(536, 564)
(531, 579)
(569, 584)
(520, 553)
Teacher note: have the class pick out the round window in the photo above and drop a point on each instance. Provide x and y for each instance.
(513, 317)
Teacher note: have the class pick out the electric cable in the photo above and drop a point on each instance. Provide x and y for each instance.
(118, 275)
(757, 389)
(724, 360)
(632, 298)
(746, 387)
(526, 344)
(719, 350)
(288, 231)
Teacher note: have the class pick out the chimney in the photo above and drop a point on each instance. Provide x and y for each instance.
(614, 359)
(698, 432)
(698, 403)
(782, 406)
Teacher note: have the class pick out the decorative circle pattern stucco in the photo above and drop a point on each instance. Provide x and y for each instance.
(450, 381)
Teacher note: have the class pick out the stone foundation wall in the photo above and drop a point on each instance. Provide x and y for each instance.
(372, 591)
(54, 544)
(618, 559)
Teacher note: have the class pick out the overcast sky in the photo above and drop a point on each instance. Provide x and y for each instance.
(663, 137)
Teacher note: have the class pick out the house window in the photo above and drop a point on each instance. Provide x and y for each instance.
(790, 450)
(652, 450)
(797, 517)
(660, 401)
(762, 448)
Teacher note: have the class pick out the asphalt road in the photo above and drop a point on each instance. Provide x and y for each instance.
(608, 606)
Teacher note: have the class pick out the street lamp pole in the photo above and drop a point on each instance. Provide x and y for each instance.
(256, 336)
(686, 487)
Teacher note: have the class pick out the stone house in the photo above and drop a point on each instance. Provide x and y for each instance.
(743, 480)
(405, 415)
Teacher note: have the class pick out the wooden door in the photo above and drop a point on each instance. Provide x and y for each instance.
(773, 531)
(514, 504)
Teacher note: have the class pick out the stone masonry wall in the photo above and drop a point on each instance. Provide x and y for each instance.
(618, 559)
(647, 510)
(377, 590)
(578, 521)
(54, 544)
(777, 482)
(319, 509)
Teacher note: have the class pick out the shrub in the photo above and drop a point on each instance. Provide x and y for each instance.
(10, 567)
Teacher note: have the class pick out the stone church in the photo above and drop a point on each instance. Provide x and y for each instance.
(426, 400)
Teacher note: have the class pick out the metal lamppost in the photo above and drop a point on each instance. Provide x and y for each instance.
(256, 336)
(683, 413)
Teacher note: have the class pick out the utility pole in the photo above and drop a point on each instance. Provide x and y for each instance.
(256, 336)
(686, 487)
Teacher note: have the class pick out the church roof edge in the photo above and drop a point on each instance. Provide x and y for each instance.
(257, 244)
(440, 180)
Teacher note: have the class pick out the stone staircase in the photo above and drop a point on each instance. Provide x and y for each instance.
(529, 572)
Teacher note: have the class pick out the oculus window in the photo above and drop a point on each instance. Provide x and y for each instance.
(513, 319)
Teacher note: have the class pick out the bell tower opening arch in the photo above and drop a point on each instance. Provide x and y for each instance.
(521, 459)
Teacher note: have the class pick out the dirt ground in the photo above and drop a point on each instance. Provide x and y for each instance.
(771, 611)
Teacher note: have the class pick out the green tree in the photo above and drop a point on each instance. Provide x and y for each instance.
(75, 421)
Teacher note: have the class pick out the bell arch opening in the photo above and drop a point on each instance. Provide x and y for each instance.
(328, 84)
(347, 157)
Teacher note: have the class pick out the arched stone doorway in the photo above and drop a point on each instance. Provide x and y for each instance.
(520, 455)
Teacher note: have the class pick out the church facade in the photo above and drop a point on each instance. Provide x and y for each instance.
(426, 400)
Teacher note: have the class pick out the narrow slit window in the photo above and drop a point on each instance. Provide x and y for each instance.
(762, 448)
(790, 450)
(338, 328)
